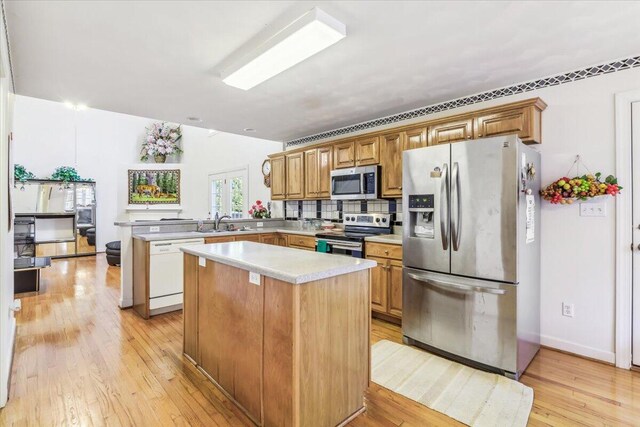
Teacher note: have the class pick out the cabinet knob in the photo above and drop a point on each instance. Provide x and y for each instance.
(468, 136)
(386, 252)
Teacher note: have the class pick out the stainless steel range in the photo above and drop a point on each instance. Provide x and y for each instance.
(356, 227)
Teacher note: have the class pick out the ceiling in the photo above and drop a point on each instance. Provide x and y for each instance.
(161, 59)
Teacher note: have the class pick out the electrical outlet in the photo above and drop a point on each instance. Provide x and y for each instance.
(154, 229)
(567, 309)
(593, 209)
(254, 278)
(260, 224)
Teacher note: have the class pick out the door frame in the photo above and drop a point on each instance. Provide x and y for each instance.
(624, 226)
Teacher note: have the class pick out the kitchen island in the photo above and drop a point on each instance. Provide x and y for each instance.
(283, 332)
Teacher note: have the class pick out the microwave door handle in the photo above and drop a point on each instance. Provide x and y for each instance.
(455, 230)
(444, 207)
(456, 287)
(362, 189)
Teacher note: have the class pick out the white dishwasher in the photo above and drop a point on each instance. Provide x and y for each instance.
(166, 274)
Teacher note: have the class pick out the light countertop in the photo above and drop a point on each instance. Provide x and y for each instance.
(150, 237)
(286, 264)
(390, 239)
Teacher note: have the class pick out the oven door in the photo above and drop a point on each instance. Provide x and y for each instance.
(340, 247)
(346, 186)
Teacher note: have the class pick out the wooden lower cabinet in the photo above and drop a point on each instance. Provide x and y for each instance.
(301, 242)
(247, 237)
(60, 249)
(386, 280)
(268, 239)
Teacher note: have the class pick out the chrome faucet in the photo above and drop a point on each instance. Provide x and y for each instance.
(217, 219)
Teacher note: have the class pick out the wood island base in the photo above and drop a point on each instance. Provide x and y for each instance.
(286, 354)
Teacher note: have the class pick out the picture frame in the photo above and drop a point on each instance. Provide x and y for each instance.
(154, 186)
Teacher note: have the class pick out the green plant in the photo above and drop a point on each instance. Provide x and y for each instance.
(21, 174)
(67, 174)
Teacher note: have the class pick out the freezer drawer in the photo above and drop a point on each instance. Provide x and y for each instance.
(472, 319)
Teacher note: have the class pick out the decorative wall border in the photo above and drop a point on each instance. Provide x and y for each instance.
(585, 73)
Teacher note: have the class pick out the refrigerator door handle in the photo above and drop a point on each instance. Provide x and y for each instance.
(455, 227)
(444, 207)
(456, 287)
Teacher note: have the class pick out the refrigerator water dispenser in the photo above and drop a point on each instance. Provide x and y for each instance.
(421, 216)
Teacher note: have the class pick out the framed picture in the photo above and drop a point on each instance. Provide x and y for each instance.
(154, 186)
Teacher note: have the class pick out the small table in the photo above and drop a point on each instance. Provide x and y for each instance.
(26, 273)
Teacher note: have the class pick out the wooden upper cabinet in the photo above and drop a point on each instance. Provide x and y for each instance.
(367, 151)
(324, 172)
(415, 138)
(317, 173)
(391, 147)
(523, 118)
(451, 131)
(344, 155)
(278, 178)
(295, 176)
(311, 173)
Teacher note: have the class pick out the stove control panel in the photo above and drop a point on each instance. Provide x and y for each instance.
(367, 219)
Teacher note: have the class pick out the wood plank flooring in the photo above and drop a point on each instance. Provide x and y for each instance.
(80, 360)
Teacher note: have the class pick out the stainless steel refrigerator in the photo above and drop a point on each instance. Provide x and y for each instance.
(471, 245)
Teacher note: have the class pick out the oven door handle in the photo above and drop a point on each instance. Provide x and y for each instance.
(456, 287)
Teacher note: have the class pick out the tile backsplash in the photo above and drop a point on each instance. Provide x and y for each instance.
(333, 209)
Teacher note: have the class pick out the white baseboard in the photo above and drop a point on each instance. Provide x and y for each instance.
(579, 349)
(126, 303)
(4, 395)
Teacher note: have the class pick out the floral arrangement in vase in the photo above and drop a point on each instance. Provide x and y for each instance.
(259, 210)
(566, 190)
(161, 140)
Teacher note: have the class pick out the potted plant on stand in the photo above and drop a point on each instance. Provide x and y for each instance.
(161, 141)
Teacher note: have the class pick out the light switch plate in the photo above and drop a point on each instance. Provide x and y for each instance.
(202, 261)
(593, 209)
(254, 278)
(154, 229)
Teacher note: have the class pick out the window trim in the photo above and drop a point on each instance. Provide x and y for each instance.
(227, 174)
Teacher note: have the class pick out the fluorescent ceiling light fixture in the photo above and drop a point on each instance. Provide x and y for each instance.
(312, 32)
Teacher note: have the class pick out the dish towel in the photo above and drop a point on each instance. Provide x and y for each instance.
(322, 246)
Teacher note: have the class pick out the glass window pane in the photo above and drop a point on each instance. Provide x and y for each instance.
(237, 197)
(216, 197)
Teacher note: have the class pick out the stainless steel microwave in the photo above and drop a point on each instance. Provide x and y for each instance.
(360, 183)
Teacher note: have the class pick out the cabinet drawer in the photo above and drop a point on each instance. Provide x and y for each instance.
(304, 242)
(221, 239)
(383, 250)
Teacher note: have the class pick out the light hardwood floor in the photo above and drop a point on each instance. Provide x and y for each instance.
(80, 360)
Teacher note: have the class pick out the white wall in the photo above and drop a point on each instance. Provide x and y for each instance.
(109, 143)
(578, 253)
(7, 320)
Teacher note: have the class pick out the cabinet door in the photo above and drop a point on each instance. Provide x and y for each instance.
(324, 172)
(504, 122)
(190, 307)
(311, 174)
(222, 239)
(415, 138)
(295, 176)
(268, 239)
(379, 286)
(278, 178)
(453, 131)
(391, 149)
(395, 288)
(343, 155)
(281, 240)
(367, 151)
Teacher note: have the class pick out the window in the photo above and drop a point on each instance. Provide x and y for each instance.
(229, 193)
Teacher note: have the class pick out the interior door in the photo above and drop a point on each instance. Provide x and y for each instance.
(635, 124)
(426, 176)
(484, 205)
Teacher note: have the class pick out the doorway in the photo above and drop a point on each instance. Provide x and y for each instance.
(635, 212)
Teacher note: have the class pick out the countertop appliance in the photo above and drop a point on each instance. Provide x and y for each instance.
(350, 241)
(359, 183)
(166, 274)
(471, 252)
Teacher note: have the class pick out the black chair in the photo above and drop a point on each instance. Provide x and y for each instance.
(91, 236)
(113, 253)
